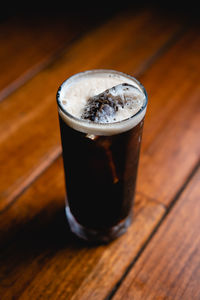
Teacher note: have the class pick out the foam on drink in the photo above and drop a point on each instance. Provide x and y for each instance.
(79, 96)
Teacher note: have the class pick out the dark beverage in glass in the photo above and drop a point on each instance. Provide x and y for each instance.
(100, 157)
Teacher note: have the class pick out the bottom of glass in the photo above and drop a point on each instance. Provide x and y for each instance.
(97, 236)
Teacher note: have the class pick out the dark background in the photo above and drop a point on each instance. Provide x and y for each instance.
(95, 9)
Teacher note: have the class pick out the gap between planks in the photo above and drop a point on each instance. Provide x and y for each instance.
(45, 62)
(161, 221)
(50, 158)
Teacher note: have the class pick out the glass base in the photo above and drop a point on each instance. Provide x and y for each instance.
(97, 236)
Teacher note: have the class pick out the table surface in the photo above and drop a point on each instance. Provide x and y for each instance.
(159, 256)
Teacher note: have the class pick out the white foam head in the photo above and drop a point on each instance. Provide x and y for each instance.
(73, 94)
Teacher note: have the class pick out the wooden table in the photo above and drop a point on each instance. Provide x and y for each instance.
(159, 256)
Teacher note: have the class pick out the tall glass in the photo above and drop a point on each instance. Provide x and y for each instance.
(100, 164)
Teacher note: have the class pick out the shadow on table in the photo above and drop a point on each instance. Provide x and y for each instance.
(44, 234)
(28, 245)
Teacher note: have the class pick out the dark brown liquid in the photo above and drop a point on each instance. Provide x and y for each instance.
(100, 175)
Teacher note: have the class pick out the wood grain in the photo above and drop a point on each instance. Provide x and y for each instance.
(171, 147)
(30, 43)
(40, 258)
(29, 129)
(169, 268)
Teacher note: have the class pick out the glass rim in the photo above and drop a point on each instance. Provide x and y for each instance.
(84, 121)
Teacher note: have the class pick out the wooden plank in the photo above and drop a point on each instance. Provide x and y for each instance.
(29, 43)
(169, 268)
(29, 129)
(40, 258)
(171, 147)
